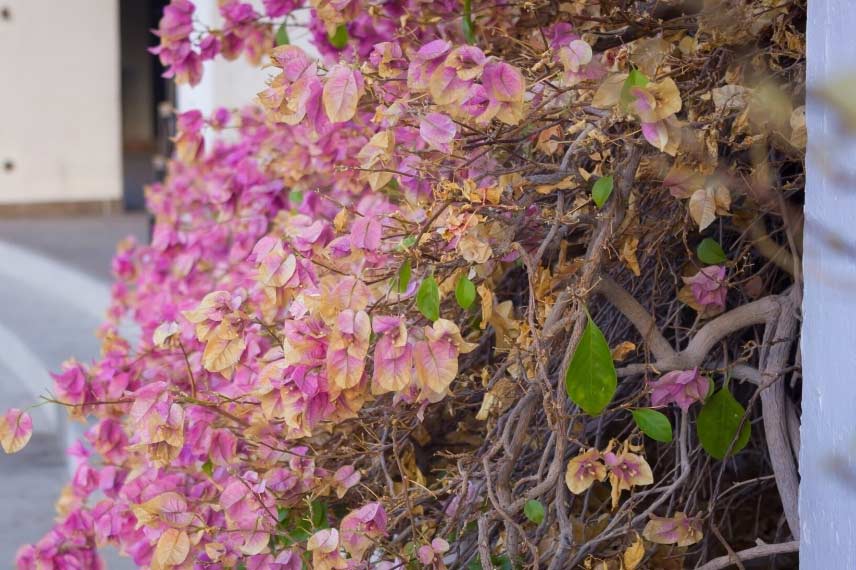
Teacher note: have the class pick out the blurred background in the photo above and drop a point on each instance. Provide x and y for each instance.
(85, 124)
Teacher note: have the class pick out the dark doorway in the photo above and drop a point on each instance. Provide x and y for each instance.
(146, 98)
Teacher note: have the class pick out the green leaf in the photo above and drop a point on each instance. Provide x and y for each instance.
(717, 424)
(340, 38)
(208, 468)
(404, 276)
(590, 379)
(428, 298)
(653, 424)
(295, 198)
(710, 252)
(282, 36)
(601, 190)
(467, 23)
(318, 514)
(534, 511)
(465, 292)
(634, 79)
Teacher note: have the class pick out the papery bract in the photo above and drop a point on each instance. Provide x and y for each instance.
(360, 528)
(438, 130)
(583, 470)
(626, 470)
(679, 529)
(341, 93)
(16, 428)
(708, 286)
(681, 387)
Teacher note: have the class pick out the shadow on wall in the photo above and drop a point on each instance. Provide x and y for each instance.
(147, 100)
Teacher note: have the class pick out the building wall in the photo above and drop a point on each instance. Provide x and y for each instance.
(59, 101)
(828, 449)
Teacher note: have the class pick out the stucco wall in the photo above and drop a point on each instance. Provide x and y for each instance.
(828, 450)
(59, 101)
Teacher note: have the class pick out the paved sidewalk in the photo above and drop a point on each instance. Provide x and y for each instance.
(54, 282)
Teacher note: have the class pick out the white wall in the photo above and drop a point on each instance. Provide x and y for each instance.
(59, 101)
(828, 450)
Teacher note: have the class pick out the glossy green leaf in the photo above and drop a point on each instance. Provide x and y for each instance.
(602, 190)
(428, 298)
(465, 292)
(654, 424)
(590, 379)
(282, 36)
(404, 276)
(710, 252)
(534, 511)
(318, 514)
(718, 422)
(634, 79)
(467, 23)
(340, 38)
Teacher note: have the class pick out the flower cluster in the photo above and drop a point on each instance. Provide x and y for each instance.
(624, 469)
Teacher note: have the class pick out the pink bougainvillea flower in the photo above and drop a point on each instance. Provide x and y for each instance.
(656, 101)
(575, 55)
(345, 478)
(431, 555)
(209, 47)
(583, 470)
(438, 130)
(347, 350)
(177, 20)
(360, 528)
(708, 287)
(342, 92)
(477, 104)
(324, 546)
(680, 530)
(560, 34)
(424, 62)
(467, 61)
(436, 358)
(626, 470)
(278, 8)
(393, 356)
(503, 82)
(366, 233)
(388, 59)
(16, 428)
(237, 13)
(681, 387)
(656, 133)
(505, 88)
(446, 86)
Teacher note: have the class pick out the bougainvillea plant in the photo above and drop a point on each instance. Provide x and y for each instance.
(463, 250)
